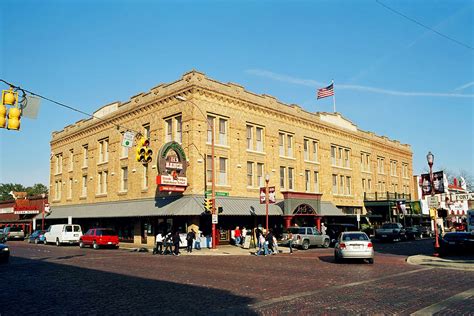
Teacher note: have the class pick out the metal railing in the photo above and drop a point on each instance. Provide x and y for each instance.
(386, 196)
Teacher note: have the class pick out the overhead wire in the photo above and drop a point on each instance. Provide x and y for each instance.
(425, 26)
(66, 106)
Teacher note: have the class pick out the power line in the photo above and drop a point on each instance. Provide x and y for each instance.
(426, 27)
(65, 105)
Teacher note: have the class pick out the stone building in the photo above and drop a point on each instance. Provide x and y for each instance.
(321, 165)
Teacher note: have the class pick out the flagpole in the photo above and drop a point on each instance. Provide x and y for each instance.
(333, 96)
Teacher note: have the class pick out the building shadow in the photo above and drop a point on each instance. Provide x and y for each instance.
(39, 287)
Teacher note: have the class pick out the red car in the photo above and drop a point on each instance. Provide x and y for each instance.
(99, 237)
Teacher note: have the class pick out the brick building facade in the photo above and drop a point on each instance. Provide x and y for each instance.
(321, 164)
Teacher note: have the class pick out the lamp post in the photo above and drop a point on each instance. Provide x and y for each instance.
(213, 180)
(430, 159)
(267, 179)
(42, 219)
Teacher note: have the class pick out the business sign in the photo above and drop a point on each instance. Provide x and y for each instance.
(6, 210)
(215, 219)
(128, 138)
(440, 183)
(171, 168)
(23, 212)
(271, 195)
(433, 201)
(462, 197)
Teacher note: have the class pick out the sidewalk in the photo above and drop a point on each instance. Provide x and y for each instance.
(222, 250)
(459, 263)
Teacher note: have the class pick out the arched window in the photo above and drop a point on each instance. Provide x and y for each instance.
(304, 209)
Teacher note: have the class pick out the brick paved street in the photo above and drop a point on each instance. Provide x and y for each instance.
(69, 280)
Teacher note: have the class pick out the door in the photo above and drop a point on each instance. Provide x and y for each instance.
(318, 238)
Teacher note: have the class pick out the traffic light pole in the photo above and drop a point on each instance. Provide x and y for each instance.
(213, 181)
(436, 245)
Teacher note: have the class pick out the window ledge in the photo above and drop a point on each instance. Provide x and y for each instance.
(366, 171)
(123, 158)
(83, 197)
(122, 192)
(102, 163)
(312, 162)
(56, 200)
(144, 190)
(99, 195)
(256, 152)
(85, 167)
(289, 158)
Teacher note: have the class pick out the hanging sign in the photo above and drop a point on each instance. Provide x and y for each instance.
(128, 138)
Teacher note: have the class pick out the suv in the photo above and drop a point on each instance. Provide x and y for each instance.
(305, 237)
(98, 237)
(391, 231)
(15, 233)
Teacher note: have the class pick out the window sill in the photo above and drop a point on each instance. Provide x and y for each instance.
(366, 171)
(286, 157)
(225, 186)
(69, 199)
(122, 192)
(58, 174)
(312, 162)
(144, 190)
(99, 195)
(70, 170)
(123, 158)
(84, 167)
(250, 151)
(341, 167)
(83, 197)
(102, 163)
(56, 200)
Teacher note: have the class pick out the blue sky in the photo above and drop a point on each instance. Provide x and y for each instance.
(392, 76)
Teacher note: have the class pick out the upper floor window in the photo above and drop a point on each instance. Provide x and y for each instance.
(291, 178)
(57, 190)
(123, 150)
(146, 130)
(286, 144)
(222, 180)
(220, 130)
(249, 174)
(282, 177)
(404, 170)
(306, 149)
(334, 184)
(71, 159)
(307, 180)
(365, 162)
(259, 138)
(85, 155)
(316, 181)
(315, 151)
(249, 137)
(124, 179)
(84, 185)
(209, 169)
(69, 189)
(254, 138)
(103, 150)
(145, 177)
(393, 168)
(380, 165)
(340, 156)
(260, 178)
(102, 182)
(173, 129)
(59, 163)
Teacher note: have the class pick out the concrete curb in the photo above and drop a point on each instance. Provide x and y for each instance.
(457, 263)
(227, 250)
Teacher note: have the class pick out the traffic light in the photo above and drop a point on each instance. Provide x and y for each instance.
(208, 204)
(144, 153)
(10, 97)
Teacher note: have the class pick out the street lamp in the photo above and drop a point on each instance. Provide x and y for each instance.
(430, 160)
(213, 179)
(267, 179)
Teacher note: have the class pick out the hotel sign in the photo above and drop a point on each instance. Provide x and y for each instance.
(171, 168)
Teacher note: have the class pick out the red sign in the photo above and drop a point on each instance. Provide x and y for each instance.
(172, 188)
(271, 195)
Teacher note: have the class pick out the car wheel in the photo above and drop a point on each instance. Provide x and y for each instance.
(57, 242)
(305, 245)
(36, 241)
(81, 244)
(95, 245)
(371, 261)
(326, 243)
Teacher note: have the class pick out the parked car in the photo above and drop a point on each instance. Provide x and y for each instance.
(334, 230)
(305, 237)
(2, 235)
(354, 245)
(460, 243)
(99, 237)
(63, 233)
(413, 232)
(37, 237)
(4, 253)
(391, 232)
(426, 231)
(13, 233)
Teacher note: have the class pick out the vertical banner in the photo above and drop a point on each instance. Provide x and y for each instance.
(439, 183)
(271, 195)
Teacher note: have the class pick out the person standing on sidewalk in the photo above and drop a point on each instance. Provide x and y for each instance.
(244, 234)
(237, 235)
(159, 244)
(261, 246)
(290, 241)
(176, 243)
(190, 239)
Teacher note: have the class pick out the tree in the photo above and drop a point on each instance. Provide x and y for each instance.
(37, 189)
(6, 188)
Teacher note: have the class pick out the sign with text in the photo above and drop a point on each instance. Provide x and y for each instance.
(440, 183)
(433, 201)
(169, 180)
(23, 212)
(214, 219)
(128, 138)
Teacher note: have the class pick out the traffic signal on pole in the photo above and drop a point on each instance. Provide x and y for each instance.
(144, 153)
(10, 97)
(208, 204)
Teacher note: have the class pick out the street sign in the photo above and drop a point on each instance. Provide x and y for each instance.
(214, 218)
(218, 193)
(128, 138)
(433, 201)
(358, 217)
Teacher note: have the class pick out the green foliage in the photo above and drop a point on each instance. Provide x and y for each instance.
(6, 188)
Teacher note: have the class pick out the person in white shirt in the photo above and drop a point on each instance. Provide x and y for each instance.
(323, 229)
(244, 233)
(159, 244)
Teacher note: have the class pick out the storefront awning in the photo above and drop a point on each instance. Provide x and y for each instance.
(329, 209)
(234, 206)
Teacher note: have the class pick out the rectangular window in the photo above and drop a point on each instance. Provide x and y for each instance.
(124, 177)
(334, 184)
(365, 162)
(315, 151)
(306, 149)
(169, 130)
(71, 159)
(363, 185)
(58, 188)
(341, 184)
(404, 170)
(249, 138)
(282, 177)
(348, 186)
(145, 177)
(222, 171)
(291, 179)
(380, 165)
(307, 180)
(85, 150)
(103, 150)
(59, 163)
(289, 144)
(69, 189)
(179, 129)
(333, 155)
(339, 156)
(102, 182)
(249, 174)
(209, 169)
(393, 168)
(259, 136)
(316, 181)
(146, 130)
(210, 125)
(281, 143)
(369, 185)
(123, 150)
(84, 185)
(260, 179)
(222, 131)
(347, 158)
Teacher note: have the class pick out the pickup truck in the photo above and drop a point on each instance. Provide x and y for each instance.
(391, 231)
(305, 237)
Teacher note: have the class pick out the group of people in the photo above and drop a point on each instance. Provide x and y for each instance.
(267, 243)
(169, 241)
(238, 236)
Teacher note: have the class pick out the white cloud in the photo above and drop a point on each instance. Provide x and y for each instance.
(338, 86)
(467, 85)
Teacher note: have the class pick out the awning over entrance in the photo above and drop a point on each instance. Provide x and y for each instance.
(183, 206)
(329, 209)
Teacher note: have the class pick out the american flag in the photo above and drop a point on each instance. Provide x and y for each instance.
(326, 92)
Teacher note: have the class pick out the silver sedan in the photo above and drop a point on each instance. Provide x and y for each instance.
(354, 245)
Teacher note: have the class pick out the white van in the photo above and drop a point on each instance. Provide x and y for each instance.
(63, 233)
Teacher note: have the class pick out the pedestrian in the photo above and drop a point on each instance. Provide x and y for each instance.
(261, 246)
(197, 244)
(190, 240)
(176, 240)
(168, 249)
(237, 235)
(323, 229)
(269, 240)
(275, 245)
(159, 244)
(244, 234)
(290, 241)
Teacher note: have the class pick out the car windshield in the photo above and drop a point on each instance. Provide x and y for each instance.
(389, 226)
(107, 232)
(16, 229)
(297, 230)
(352, 237)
